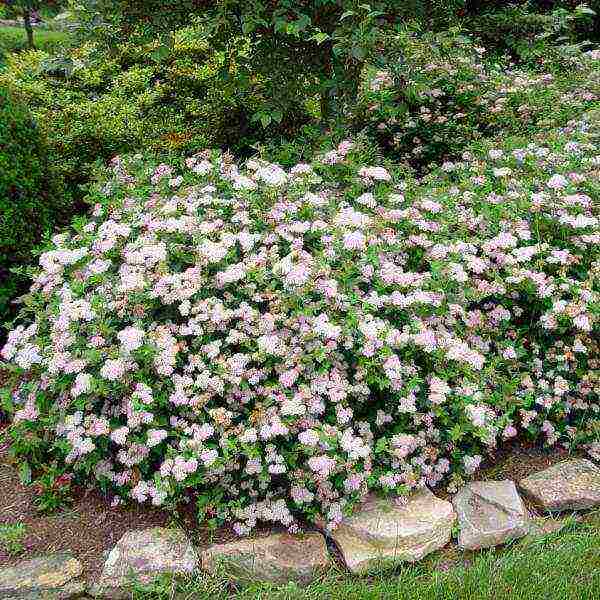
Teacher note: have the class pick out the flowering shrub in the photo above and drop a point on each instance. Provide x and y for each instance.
(437, 93)
(279, 342)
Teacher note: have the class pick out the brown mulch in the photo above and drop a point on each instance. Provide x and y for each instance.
(517, 461)
(90, 527)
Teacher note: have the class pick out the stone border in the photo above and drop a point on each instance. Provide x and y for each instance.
(382, 532)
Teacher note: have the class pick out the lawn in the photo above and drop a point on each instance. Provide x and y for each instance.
(14, 39)
(559, 566)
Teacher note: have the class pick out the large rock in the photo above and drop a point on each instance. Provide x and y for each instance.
(51, 577)
(490, 513)
(277, 558)
(385, 531)
(568, 485)
(141, 556)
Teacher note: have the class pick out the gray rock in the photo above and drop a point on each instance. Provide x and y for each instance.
(51, 577)
(386, 531)
(489, 513)
(64, 21)
(568, 485)
(276, 558)
(141, 556)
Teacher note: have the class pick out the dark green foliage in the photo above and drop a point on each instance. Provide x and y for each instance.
(29, 198)
(276, 52)
(93, 107)
(177, 76)
(529, 30)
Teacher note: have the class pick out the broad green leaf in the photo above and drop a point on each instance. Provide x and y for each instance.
(160, 53)
(320, 37)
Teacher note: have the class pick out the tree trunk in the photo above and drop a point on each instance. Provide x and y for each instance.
(28, 28)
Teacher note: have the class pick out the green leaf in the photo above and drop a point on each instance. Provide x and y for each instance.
(6, 401)
(358, 52)
(25, 473)
(583, 9)
(160, 53)
(265, 119)
(224, 73)
(303, 22)
(320, 37)
(280, 25)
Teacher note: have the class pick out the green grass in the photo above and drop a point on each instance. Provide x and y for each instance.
(559, 566)
(11, 538)
(14, 39)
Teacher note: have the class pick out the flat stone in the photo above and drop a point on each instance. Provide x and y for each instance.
(568, 485)
(52, 577)
(141, 556)
(490, 513)
(276, 558)
(387, 531)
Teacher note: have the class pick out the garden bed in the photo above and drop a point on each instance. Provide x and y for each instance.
(89, 528)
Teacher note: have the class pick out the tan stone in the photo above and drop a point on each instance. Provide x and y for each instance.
(489, 513)
(568, 485)
(385, 531)
(141, 556)
(277, 558)
(52, 577)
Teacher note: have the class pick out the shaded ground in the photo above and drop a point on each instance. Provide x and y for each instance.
(87, 529)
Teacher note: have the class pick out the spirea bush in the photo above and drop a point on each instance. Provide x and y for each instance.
(277, 343)
(436, 93)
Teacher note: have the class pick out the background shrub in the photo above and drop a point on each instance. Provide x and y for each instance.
(123, 89)
(530, 31)
(430, 95)
(93, 107)
(30, 198)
